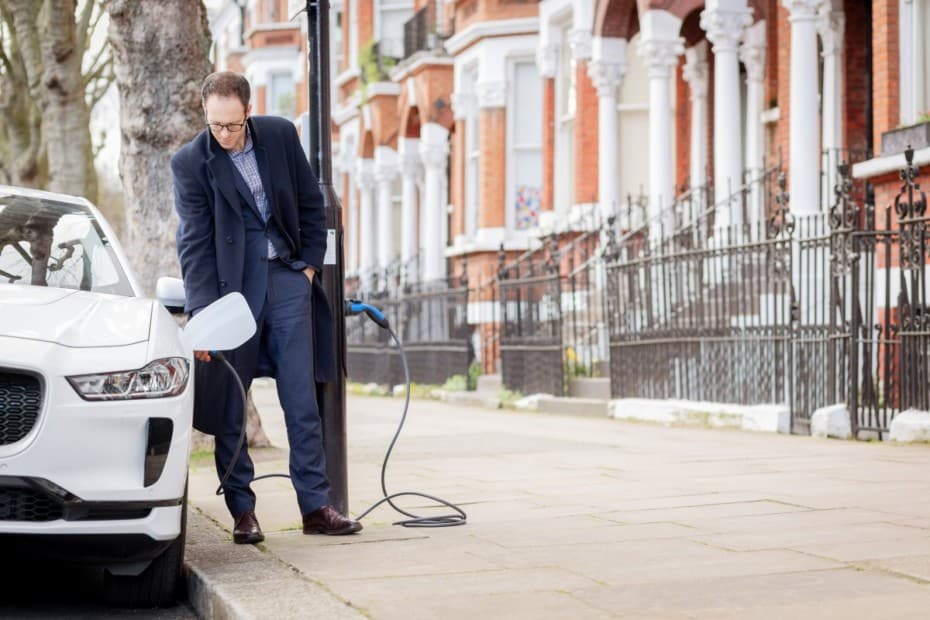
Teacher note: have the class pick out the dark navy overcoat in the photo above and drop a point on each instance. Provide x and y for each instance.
(211, 237)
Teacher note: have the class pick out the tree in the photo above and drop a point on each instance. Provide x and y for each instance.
(46, 51)
(161, 58)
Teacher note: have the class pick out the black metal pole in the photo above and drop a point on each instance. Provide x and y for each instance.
(331, 396)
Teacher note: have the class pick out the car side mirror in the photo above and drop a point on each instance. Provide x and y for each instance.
(224, 325)
(170, 293)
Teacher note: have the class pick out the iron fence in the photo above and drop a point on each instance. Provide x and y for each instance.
(750, 306)
(430, 318)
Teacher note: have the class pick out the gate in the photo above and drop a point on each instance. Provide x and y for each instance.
(531, 321)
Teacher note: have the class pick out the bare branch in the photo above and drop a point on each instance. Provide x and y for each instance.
(7, 65)
(100, 90)
(82, 25)
(98, 67)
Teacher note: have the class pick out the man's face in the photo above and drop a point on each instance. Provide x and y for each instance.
(222, 110)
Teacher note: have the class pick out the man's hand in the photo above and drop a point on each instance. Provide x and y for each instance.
(310, 272)
(203, 356)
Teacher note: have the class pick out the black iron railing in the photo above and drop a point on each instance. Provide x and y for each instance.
(755, 305)
(422, 32)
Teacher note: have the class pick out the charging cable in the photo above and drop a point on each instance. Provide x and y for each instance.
(354, 307)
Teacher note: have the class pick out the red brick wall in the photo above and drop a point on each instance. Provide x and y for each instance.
(258, 101)
(457, 180)
(782, 94)
(366, 23)
(682, 128)
(885, 68)
(856, 77)
(384, 120)
(548, 137)
(586, 138)
(710, 115)
(468, 12)
(492, 167)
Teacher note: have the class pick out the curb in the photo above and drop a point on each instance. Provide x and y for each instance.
(228, 581)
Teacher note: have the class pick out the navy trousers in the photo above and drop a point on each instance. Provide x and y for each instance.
(282, 347)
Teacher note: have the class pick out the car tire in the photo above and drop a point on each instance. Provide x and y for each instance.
(157, 585)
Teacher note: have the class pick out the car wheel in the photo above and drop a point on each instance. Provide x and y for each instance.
(157, 585)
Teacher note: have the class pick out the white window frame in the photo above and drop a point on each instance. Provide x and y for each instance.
(382, 6)
(513, 149)
(914, 78)
(566, 94)
(472, 154)
(270, 92)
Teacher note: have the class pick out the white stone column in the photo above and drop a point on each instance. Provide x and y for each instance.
(659, 48)
(351, 233)
(803, 150)
(695, 74)
(831, 25)
(386, 168)
(365, 179)
(752, 53)
(547, 60)
(434, 151)
(465, 109)
(410, 170)
(607, 68)
(724, 21)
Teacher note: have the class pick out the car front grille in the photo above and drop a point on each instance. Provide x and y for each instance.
(20, 402)
(22, 504)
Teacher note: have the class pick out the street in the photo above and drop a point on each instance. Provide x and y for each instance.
(591, 518)
(50, 591)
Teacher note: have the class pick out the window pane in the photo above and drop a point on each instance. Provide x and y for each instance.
(527, 104)
(47, 243)
(282, 96)
(391, 40)
(528, 188)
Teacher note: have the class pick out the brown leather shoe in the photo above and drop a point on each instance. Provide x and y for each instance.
(246, 530)
(327, 520)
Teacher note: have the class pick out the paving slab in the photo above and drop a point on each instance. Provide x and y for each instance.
(594, 518)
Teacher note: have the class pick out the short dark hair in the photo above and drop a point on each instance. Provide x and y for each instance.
(226, 84)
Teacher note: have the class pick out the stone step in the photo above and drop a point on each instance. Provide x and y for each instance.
(593, 407)
(490, 384)
(586, 387)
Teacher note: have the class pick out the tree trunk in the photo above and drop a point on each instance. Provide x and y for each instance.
(160, 51)
(52, 54)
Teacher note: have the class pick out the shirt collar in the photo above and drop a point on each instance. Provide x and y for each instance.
(248, 142)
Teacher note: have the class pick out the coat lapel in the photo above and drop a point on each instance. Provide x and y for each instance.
(221, 169)
(264, 169)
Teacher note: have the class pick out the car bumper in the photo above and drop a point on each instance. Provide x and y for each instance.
(96, 459)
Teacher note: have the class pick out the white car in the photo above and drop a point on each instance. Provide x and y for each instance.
(96, 400)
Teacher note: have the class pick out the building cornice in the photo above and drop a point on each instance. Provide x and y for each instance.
(272, 27)
(423, 58)
(347, 111)
(878, 166)
(377, 89)
(346, 76)
(491, 28)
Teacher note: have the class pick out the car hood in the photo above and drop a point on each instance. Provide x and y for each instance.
(73, 318)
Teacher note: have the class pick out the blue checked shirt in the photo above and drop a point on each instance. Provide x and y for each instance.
(247, 166)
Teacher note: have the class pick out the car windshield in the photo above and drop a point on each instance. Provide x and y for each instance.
(49, 243)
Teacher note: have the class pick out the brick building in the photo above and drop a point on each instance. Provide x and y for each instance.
(464, 125)
(466, 129)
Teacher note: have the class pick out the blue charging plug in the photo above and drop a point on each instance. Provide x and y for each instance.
(355, 307)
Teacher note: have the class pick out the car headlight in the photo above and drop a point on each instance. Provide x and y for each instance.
(161, 378)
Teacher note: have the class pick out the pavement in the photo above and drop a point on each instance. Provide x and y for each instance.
(579, 517)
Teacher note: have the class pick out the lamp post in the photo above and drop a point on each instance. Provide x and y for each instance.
(330, 396)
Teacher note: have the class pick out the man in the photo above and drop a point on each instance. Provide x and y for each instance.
(252, 221)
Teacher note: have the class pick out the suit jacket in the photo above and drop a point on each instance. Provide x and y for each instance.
(215, 258)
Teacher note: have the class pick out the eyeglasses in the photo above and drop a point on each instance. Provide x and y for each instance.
(230, 127)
